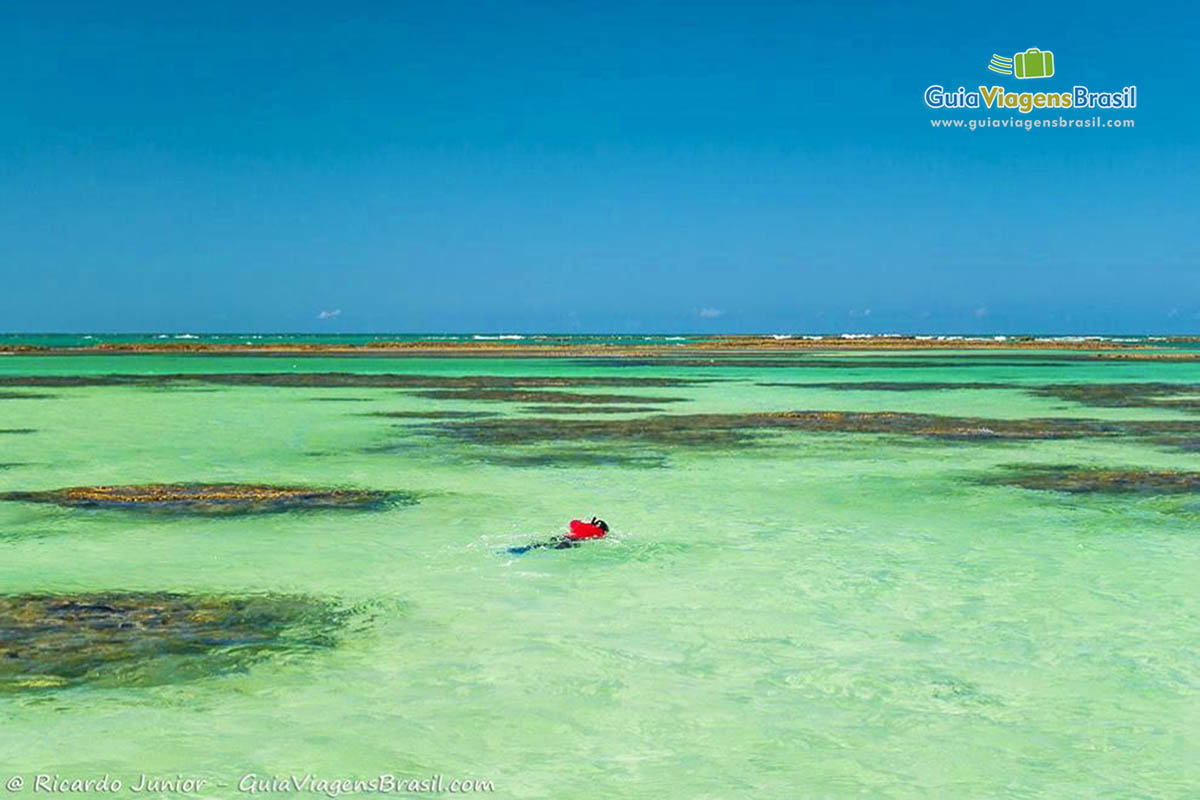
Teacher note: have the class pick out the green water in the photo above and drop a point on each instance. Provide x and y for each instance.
(812, 615)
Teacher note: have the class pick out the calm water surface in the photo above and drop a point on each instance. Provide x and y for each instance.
(810, 615)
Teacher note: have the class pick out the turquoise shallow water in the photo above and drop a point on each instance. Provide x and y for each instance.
(812, 615)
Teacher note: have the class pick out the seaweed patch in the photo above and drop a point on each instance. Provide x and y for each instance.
(343, 379)
(891, 386)
(1169, 396)
(520, 396)
(1098, 480)
(657, 429)
(850, 362)
(431, 414)
(587, 409)
(213, 499)
(574, 458)
(145, 638)
(724, 430)
(1175, 396)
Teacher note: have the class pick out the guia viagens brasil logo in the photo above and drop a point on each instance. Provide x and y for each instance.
(1026, 65)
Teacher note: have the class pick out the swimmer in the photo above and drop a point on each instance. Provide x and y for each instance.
(576, 533)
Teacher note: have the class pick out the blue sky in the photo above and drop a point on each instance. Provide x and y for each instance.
(587, 167)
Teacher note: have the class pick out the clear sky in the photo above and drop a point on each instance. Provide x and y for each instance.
(603, 166)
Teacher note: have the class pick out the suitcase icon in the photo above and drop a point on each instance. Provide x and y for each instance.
(1033, 63)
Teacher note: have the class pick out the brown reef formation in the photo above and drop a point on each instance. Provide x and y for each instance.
(923, 360)
(143, 638)
(1174, 396)
(519, 396)
(589, 409)
(212, 498)
(345, 379)
(889, 386)
(582, 347)
(433, 414)
(736, 429)
(24, 396)
(1167, 396)
(1102, 480)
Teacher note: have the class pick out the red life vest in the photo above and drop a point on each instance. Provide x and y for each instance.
(585, 530)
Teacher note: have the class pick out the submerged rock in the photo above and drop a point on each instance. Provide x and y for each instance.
(1076, 479)
(590, 409)
(802, 361)
(342, 379)
(937, 426)
(431, 414)
(658, 429)
(889, 386)
(1170, 396)
(526, 396)
(212, 498)
(575, 459)
(144, 638)
(726, 430)
(1177, 396)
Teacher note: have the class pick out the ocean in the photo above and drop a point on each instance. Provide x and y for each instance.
(966, 577)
